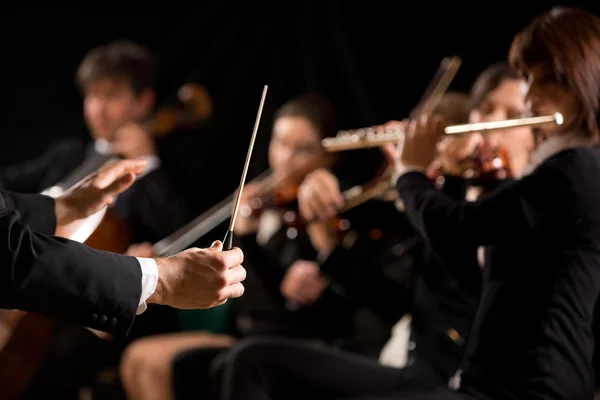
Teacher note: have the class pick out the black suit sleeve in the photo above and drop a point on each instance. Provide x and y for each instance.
(455, 187)
(35, 210)
(363, 270)
(514, 209)
(62, 279)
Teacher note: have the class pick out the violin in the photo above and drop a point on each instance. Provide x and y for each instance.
(483, 166)
(276, 191)
(378, 186)
(30, 335)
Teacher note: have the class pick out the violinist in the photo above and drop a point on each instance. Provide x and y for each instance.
(495, 96)
(441, 302)
(445, 289)
(277, 257)
(117, 81)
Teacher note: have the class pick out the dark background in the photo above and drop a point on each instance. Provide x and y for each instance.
(372, 59)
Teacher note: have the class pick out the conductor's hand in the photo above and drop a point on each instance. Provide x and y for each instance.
(97, 191)
(199, 278)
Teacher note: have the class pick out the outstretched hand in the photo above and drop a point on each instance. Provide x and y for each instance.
(97, 191)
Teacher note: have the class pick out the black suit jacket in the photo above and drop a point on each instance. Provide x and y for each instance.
(399, 273)
(152, 206)
(59, 278)
(532, 334)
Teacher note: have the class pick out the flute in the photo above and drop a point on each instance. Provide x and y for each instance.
(373, 137)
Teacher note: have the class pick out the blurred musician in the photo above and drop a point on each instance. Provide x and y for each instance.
(442, 299)
(117, 81)
(279, 260)
(532, 334)
(495, 96)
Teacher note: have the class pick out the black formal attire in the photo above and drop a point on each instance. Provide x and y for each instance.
(152, 208)
(440, 291)
(59, 278)
(263, 311)
(532, 334)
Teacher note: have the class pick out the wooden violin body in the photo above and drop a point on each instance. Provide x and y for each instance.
(285, 200)
(481, 167)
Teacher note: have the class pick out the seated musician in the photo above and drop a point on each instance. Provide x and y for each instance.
(445, 294)
(543, 229)
(117, 81)
(285, 295)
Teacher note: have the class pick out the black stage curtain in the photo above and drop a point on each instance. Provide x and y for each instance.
(372, 59)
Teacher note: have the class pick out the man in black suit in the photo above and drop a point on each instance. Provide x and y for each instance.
(65, 280)
(117, 81)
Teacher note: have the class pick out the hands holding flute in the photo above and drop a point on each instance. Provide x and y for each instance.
(417, 148)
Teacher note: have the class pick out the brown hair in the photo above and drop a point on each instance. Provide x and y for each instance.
(122, 60)
(488, 81)
(567, 42)
(453, 107)
(315, 108)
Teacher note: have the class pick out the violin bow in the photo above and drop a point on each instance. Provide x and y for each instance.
(228, 240)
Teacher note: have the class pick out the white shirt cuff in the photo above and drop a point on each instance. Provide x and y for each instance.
(149, 281)
(152, 163)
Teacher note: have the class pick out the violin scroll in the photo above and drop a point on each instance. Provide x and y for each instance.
(197, 107)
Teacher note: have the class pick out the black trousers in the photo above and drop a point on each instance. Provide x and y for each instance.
(275, 368)
(196, 373)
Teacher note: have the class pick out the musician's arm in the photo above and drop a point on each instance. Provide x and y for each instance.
(455, 187)
(366, 280)
(50, 275)
(65, 280)
(35, 210)
(514, 209)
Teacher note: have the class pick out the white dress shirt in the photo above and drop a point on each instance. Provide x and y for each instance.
(152, 161)
(149, 281)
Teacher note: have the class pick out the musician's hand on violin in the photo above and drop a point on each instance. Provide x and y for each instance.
(97, 191)
(319, 196)
(323, 237)
(303, 282)
(141, 250)
(247, 221)
(452, 150)
(199, 278)
(132, 141)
